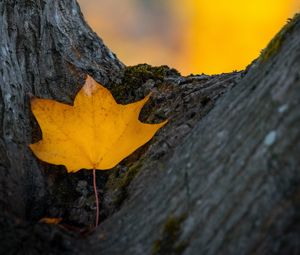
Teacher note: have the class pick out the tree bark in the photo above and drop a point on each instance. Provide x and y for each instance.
(221, 178)
(46, 47)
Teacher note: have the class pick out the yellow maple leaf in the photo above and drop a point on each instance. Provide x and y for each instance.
(94, 133)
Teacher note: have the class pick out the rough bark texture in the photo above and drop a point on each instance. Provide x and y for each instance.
(221, 178)
(46, 47)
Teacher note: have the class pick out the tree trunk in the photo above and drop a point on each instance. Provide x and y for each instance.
(221, 178)
(46, 47)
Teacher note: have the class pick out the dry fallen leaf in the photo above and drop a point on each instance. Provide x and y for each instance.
(50, 220)
(94, 133)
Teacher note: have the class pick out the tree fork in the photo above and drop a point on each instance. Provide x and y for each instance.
(235, 171)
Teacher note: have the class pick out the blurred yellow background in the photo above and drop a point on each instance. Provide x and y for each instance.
(194, 36)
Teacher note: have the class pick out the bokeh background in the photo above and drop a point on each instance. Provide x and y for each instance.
(194, 36)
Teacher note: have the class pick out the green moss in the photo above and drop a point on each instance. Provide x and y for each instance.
(121, 183)
(30, 3)
(169, 242)
(180, 247)
(276, 43)
(135, 76)
(141, 73)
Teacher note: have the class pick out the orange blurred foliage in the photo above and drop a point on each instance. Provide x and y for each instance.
(193, 36)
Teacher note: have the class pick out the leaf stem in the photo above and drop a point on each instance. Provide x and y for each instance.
(96, 197)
